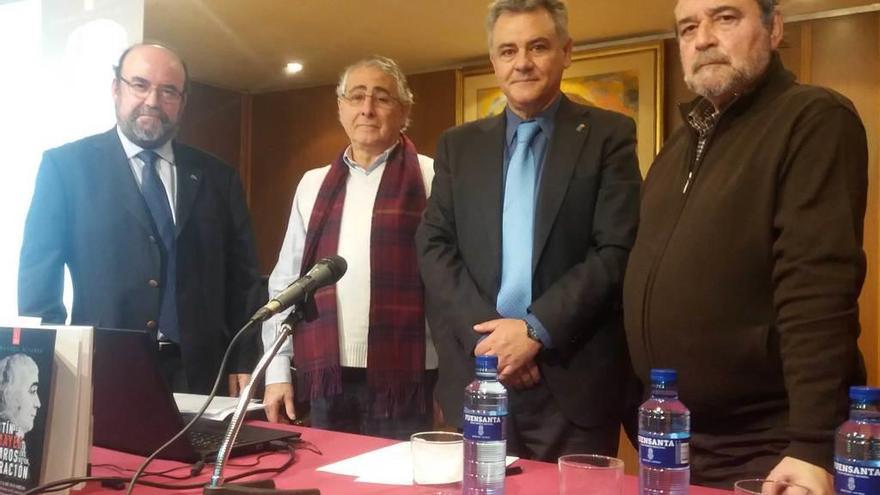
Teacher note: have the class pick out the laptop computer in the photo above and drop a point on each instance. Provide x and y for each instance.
(134, 410)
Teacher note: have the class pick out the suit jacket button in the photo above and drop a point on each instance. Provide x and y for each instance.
(151, 325)
(153, 239)
(153, 283)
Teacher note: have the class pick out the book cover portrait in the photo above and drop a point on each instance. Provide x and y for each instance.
(26, 360)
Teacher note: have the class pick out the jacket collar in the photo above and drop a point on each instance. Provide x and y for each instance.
(773, 82)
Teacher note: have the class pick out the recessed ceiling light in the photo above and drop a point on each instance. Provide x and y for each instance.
(293, 67)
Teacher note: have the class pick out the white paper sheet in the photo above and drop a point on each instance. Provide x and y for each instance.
(390, 465)
(220, 408)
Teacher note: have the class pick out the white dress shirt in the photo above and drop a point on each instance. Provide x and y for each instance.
(165, 165)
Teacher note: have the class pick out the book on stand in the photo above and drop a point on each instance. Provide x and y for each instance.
(27, 357)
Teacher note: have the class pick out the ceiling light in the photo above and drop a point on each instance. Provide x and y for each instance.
(293, 67)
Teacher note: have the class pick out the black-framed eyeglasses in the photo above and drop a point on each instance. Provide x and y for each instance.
(141, 88)
(380, 97)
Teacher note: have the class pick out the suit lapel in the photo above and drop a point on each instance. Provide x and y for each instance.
(189, 177)
(488, 188)
(116, 168)
(569, 135)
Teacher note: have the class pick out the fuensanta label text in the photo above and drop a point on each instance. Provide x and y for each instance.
(856, 477)
(483, 427)
(664, 452)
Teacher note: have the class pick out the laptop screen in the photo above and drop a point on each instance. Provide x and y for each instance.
(134, 410)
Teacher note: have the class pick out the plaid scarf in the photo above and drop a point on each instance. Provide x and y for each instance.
(396, 340)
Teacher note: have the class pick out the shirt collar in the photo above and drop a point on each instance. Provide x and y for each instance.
(380, 160)
(165, 152)
(545, 120)
(703, 116)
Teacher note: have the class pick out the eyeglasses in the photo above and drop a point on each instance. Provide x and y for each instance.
(141, 88)
(381, 98)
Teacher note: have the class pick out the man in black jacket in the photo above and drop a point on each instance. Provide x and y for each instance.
(747, 268)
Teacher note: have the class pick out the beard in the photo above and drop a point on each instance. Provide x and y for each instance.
(714, 75)
(147, 137)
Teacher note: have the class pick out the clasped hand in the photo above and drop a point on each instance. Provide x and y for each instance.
(508, 339)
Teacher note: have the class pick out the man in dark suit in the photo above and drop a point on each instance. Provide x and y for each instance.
(524, 243)
(156, 234)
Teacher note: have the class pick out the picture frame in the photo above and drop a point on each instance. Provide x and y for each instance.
(626, 79)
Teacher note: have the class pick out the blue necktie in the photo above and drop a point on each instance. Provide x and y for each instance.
(157, 201)
(517, 226)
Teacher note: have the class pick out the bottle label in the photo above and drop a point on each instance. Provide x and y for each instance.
(483, 427)
(664, 451)
(856, 477)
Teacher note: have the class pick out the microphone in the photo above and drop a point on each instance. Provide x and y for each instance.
(327, 271)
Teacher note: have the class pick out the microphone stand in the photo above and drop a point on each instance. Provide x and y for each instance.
(215, 486)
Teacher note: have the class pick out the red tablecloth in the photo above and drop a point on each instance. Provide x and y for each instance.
(537, 478)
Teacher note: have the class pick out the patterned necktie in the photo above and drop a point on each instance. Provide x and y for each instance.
(517, 226)
(157, 201)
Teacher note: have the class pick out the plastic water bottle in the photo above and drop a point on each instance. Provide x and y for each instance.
(664, 436)
(857, 445)
(485, 443)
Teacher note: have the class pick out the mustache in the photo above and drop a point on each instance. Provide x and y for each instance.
(707, 58)
(144, 111)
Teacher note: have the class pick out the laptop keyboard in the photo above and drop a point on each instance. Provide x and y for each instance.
(205, 440)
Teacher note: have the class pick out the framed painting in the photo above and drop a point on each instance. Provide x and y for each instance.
(627, 79)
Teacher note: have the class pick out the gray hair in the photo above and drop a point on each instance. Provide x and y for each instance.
(388, 66)
(556, 8)
(768, 8)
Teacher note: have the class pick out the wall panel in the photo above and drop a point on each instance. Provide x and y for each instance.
(845, 56)
(212, 122)
(291, 132)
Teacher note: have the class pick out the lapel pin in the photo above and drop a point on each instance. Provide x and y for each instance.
(193, 177)
(581, 127)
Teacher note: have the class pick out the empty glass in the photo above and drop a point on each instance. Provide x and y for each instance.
(587, 474)
(768, 487)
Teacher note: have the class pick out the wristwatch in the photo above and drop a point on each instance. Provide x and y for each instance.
(532, 333)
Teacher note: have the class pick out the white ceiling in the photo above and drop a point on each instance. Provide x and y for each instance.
(244, 44)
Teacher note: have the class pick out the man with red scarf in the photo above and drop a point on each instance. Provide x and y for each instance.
(367, 363)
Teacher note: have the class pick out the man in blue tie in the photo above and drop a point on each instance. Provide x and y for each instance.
(524, 243)
(156, 234)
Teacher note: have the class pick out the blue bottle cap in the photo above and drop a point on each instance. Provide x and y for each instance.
(664, 375)
(487, 363)
(864, 394)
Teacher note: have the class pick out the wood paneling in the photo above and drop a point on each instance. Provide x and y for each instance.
(247, 120)
(292, 132)
(434, 108)
(212, 122)
(845, 56)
